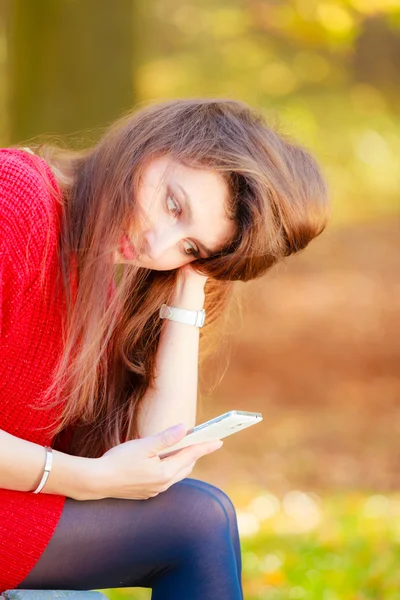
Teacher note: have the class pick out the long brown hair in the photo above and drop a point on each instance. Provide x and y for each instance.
(277, 198)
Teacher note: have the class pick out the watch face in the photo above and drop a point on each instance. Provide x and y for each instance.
(165, 312)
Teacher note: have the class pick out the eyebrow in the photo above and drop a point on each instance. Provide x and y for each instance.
(202, 247)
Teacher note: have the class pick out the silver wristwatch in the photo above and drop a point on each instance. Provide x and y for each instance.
(181, 315)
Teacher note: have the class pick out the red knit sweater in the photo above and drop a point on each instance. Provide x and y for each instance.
(30, 343)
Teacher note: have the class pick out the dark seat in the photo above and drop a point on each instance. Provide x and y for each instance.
(51, 595)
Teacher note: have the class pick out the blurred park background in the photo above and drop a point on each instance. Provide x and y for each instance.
(316, 349)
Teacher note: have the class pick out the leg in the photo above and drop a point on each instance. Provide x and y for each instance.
(183, 543)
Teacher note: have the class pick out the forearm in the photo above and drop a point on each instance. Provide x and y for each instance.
(174, 397)
(22, 465)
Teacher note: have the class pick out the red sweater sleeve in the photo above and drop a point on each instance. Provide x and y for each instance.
(25, 223)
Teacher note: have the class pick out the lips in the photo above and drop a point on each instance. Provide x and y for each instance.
(128, 250)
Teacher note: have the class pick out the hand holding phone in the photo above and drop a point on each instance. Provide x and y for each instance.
(215, 429)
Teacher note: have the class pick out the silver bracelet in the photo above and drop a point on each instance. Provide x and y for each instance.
(47, 469)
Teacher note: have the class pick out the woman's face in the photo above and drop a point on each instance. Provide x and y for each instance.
(181, 215)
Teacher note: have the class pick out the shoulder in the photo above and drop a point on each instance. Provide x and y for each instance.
(29, 203)
(26, 182)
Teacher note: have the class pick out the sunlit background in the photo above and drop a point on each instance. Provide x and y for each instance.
(316, 348)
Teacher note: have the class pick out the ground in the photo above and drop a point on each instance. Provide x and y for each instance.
(316, 351)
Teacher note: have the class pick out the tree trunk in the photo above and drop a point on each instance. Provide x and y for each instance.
(70, 66)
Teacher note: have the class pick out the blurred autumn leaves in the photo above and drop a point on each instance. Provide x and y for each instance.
(327, 70)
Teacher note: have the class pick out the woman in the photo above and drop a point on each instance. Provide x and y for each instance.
(174, 203)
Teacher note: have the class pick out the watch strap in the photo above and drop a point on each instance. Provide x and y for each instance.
(182, 315)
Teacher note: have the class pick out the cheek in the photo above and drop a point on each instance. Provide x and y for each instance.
(145, 212)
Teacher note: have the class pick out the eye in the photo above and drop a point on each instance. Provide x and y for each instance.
(189, 248)
(173, 206)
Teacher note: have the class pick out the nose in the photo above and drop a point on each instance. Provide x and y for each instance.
(157, 243)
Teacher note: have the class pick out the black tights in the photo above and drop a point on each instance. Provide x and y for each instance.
(182, 544)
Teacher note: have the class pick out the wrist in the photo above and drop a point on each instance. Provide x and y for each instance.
(71, 476)
(91, 480)
(190, 297)
(103, 478)
(189, 288)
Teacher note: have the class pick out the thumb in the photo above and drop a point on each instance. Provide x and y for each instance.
(167, 438)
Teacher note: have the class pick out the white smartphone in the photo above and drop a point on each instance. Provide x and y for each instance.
(215, 429)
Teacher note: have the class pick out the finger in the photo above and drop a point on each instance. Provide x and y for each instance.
(184, 457)
(161, 441)
(182, 474)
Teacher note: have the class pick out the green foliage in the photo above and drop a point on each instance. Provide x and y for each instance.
(302, 546)
(327, 68)
(343, 547)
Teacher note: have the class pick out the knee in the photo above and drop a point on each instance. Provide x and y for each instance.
(206, 506)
